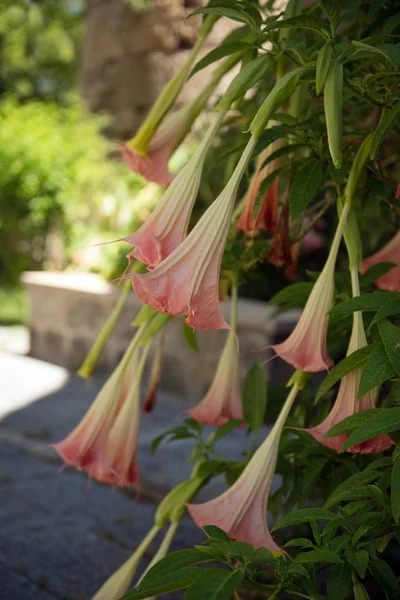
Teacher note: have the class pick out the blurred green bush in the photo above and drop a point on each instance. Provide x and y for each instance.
(60, 193)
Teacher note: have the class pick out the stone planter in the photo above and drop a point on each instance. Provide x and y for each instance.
(68, 309)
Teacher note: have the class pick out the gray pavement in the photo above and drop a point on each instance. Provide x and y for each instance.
(61, 535)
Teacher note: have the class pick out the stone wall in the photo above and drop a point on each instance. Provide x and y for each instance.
(69, 309)
(128, 56)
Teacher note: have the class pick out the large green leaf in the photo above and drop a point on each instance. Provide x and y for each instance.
(348, 364)
(349, 424)
(351, 482)
(390, 335)
(220, 52)
(305, 186)
(293, 295)
(395, 490)
(374, 272)
(387, 310)
(367, 302)
(384, 575)
(248, 76)
(254, 397)
(359, 560)
(376, 371)
(316, 556)
(176, 561)
(244, 12)
(168, 582)
(304, 515)
(339, 581)
(301, 22)
(368, 49)
(215, 585)
(386, 421)
(332, 10)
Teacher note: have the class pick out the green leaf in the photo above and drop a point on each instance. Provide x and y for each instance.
(348, 364)
(169, 582)
(254, 397)
(288, 149)
(339, 581)
(384, 575)
(353, 481)
(392, 51)
(215, 532)
(301, 22)
(244, 12)
(359, 560)
(270, 135)
(376, 371)
(390, 335)
(175, 562)
(349, 424)
(190, 337)
(385, 124)
(293, 295)
(248, 76)
(331, 8)
(374, 272)
(367, 302)
(316, 556)
(302, 542)
(215, 585)
(304, 187)
(304, 515)
(387, 310)
(323, 64)
(220, 52)
(225, 429)
(395, 490)
(386, 421)
(360, 46)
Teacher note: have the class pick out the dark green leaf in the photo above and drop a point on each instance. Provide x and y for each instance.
(390, 335)
(394, 395)
(220, 52)
(374, 272)
(332, 10)
(302, 542)
(287, 149)
(385, 124)
(368, 302)
(339, 581)
(190, 337)
(168, 582)
(293, 295)
(367, 49)
(270, 135)
(301, 22)
(215, 532)
(376, 371)
(315, 556)
(349, 424)
(353, 481)
(385, 577)
(387, 310)
(243, 12)
(359, 560)
(248, 76)
(304, 187)
(392, 52)
(225, 429)
(351, 362)
(215, 585)
(304, 515)
(176, 561)
(395, 490)
(254, 397)
(386, 421)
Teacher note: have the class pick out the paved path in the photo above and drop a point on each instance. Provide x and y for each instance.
(61, 536)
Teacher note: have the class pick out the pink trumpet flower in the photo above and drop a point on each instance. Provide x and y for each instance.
(347, 404)
(390, 281)
(154, 164)
(306, 346)
(104, 443)
(167, 225)
(186, 282)
(265, 218)
(223, 402)
(241, 511)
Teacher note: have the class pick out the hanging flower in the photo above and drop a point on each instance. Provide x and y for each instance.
(104, 444)
(347, 404)
(390, 281)
(241, 511)
(167, 225)
(265, 217)
(281, 251)
(306, 346)
(186, 282)
(154, 164)
(223, 402)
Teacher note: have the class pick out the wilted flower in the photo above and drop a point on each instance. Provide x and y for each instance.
(186, 282)
(265, 217)
(347, 404)
(281, 251)
(390, 253)
(241, 511)
(104, 443)
(222, 402)
(167, 225)
(306, 346)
